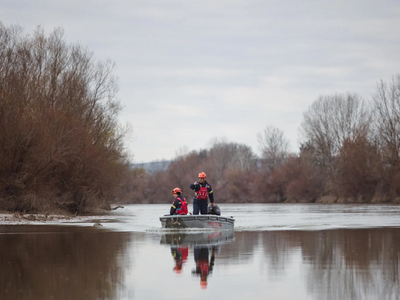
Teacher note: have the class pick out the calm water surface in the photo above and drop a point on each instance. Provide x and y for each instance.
(290, 251)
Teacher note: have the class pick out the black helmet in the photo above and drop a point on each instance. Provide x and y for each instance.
(213, 210)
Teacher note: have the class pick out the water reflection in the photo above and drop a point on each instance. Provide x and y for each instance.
(180, 254)
(204, 263)
(329, 264)
(197, 238)
(60, 263)
(334, 264)
(90, 263)
(204, 246)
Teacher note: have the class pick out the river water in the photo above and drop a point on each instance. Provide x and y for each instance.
(277, 251)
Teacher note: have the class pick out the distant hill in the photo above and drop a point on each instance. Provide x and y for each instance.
(154, 166)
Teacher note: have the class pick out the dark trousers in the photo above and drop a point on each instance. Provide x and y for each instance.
(200, 205)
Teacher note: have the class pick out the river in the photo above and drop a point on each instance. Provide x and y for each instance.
(277, 251)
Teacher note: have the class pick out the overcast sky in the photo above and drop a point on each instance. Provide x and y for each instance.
(190, 70)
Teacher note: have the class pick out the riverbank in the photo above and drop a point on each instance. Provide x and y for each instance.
(26, 219)
(58, 216)
(330, 199)
(19, 218)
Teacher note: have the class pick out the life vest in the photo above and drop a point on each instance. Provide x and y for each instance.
(183, 210)
(202, 193)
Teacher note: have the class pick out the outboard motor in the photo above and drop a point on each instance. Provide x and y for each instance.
(213, 210)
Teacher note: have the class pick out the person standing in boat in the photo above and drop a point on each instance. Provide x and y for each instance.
(179, 206)
(203, 191)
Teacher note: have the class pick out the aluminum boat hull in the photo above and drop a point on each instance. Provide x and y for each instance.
(198, 221)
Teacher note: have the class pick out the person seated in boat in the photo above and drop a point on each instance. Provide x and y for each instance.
(179, 206)
(203, 191)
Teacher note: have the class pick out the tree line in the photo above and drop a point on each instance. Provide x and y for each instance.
(61, 145)
(349, 153)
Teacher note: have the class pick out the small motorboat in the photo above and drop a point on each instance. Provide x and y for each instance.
(212, 222)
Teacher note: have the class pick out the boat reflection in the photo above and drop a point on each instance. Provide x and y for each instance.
(189, 238)
(203, 245)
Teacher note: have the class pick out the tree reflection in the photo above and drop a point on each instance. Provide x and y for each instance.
(68, 265)
(337, 264)
(362, 264)
(340, 264)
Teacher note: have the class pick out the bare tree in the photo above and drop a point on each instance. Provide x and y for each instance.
(220, 156)
(387, 118)
(274, 146)
(182, 152)
(243, 157)
(332, 119)
(228, 155)
(359, 167)
(59, 138)
(184, 169)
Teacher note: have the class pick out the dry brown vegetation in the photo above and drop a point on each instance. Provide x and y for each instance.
(60, 143)
(350, 153)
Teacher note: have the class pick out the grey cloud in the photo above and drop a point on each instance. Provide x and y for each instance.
(238, 64)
